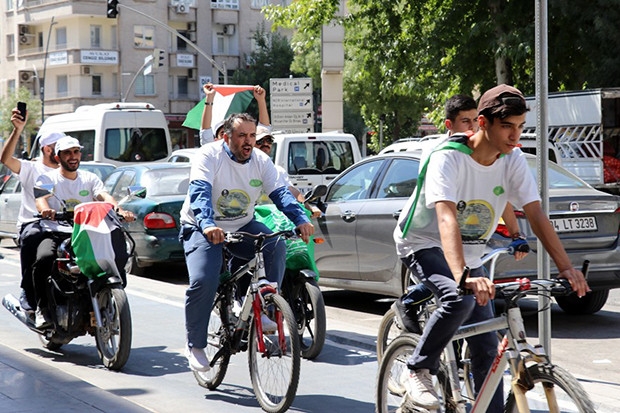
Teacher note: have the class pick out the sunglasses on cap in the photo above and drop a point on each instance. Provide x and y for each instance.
(511, 100)
(266, 140)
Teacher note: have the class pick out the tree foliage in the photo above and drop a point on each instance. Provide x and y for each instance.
(405, 58)
(34, 113)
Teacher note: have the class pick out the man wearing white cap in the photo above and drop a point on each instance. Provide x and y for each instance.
(27, 226)
(71, 187)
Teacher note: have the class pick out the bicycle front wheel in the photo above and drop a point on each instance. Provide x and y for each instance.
(550, 380)
(275, 372)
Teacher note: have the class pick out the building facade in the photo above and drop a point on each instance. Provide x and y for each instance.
(70, 53)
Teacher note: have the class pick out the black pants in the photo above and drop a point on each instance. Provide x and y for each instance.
(44, 263)
(30, 236)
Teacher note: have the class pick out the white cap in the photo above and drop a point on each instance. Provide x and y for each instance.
(50, 138)
(67, 142)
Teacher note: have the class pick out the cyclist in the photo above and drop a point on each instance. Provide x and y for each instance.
(446, 224)
(225, 183)
(461, 116)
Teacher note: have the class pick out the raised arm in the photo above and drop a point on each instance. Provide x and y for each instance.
(8, 158)
(261, 98)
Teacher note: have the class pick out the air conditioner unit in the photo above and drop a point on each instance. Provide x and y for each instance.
(25, 39)
(191, 74)
(85, 70)
(26, 76)
(24, 29)
(182, 8)
(229, 29)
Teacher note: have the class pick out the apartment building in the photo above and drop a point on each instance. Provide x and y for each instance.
(70, 53)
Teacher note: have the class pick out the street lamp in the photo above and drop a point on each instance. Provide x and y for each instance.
(42, 80)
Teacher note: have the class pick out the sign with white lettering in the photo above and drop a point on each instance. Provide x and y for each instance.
(283, 119)
(99, 57)
(289, 86)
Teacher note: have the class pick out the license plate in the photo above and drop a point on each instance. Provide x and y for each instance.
(574, 224)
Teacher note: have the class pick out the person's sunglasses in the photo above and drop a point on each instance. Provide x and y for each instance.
(511, 100)
(266, 140)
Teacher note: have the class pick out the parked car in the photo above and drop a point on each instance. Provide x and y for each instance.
(156, 228)
(182, 155)
(10, 197)
(363, 203)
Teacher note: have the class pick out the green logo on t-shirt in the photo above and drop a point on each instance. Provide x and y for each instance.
(84, 192)
(498, 190)
(256, 183)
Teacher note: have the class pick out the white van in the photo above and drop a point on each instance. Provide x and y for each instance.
(314, 158)
(116, 133)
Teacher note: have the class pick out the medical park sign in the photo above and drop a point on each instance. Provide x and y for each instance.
(99, 57)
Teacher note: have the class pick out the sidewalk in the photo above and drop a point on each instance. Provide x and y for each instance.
(26, 387)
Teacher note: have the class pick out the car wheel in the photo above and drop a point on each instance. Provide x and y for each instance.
(132, 267)
(588, 304)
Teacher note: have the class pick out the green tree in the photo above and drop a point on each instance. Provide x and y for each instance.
(34, 115)
(406, 58)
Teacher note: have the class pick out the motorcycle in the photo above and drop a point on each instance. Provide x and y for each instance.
(300, 284)
(85, 288)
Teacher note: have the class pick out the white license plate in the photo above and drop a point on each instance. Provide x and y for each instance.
(574, 224)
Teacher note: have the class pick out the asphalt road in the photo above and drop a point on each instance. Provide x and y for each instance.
(156, 377)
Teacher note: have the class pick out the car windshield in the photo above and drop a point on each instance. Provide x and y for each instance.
(135, 144)
(173, 181)
(557, 178)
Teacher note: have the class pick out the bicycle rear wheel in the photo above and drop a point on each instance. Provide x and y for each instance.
(275, 372)
(388, 331)
(216, 339)
(569, 394)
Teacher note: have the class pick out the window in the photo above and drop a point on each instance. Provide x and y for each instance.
(61, 38)
(225, 4)
(10, 45)
(87, 140)
(319, 157)
(96, 84)
(145, 85)
(143, 37)
(356, 183)
(113, 37)
(95, 36)
(135, 144)
(258, 4)
(182, 87)
(62, 85)
(400, 179)
(182, 44)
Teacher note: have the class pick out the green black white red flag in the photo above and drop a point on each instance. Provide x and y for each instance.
(228, 99)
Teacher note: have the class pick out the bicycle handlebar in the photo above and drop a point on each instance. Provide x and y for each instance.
(238, 236)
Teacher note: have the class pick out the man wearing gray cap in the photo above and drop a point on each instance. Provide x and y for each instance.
(444, 228)
(28, 227)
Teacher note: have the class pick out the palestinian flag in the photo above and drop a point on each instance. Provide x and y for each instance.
(228, 99)
(97, 240)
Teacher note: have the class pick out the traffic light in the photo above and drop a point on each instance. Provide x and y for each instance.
(112, 9)
(158, 58)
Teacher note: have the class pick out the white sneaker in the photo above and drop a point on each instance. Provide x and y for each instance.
(420, 391)
(42, 319)
(269, 326)
(197, 359)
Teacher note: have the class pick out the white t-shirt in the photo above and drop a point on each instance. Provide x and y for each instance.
(237, 187)
(28, 173)
(480, 194)
(84, 188)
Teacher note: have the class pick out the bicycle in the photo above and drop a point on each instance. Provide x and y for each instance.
(273, 357)
(530, 368)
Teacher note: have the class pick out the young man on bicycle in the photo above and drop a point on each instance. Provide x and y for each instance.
(445, 227)
(225, 181)
(461, 114)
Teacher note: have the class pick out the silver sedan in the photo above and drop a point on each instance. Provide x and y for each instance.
(363, 203)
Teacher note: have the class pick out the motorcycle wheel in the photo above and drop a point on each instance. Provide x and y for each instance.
(308, 308)
(114, 337)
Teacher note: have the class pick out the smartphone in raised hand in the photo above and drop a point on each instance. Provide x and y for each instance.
(21, 106)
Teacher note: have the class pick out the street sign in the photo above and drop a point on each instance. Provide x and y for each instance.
(290, 86)
(292, 105)
(286, 103)
(284, 119)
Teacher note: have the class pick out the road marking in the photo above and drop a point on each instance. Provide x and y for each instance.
(604, 361)
(154, 298)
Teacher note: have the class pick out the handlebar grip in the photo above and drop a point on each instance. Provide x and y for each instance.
(461, 290)
(585, 268)
(519, 245)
